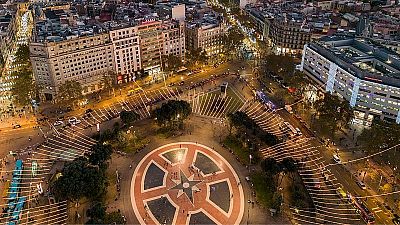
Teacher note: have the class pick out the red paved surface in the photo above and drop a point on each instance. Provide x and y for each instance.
(182, 203)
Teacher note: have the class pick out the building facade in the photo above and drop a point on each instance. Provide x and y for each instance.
(365, 75)
(151, 46)
(83, 59)
(126, 49)
(173, 32)
(287, 35)
(207, 36)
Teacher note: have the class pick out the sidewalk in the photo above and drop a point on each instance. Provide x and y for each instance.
(9, 122)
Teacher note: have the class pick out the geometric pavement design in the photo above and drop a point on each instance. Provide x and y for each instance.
(186, 183)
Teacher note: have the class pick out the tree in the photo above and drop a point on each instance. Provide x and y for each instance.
(96, 213)
(279, 64)
(270, 166)
(23, 88)
(197, 55)
(172, 113)
(380, 135)
(231, 40)
(298, 81)
(128, 117)
(99, 154)
(241, 121)
(22, 55)
(114, 217)
(289, 166)
(107, 82)
(171, 62)
(80, 179)
(333, 113)
(70, 93)
(244, 124)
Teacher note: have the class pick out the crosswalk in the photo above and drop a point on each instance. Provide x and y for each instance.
(266, 118)
(212, 104)
(68, 143)
(320, 183)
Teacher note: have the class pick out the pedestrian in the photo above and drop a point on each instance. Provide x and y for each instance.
(130, 166)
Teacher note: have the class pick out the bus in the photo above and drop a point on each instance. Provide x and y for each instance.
(362, 209)
(264, 99)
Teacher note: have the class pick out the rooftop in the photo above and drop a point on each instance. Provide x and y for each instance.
(361, 58)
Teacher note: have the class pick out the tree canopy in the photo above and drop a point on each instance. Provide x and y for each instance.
(23, 88)
(98, 215)
(244, 124)
(172, 113)
(80, 179)
(232, 40)
(128, 117)
(279, 64)
(22, 55)
(100, 154)
(107, 81)
(333, 113)
(171, 62)
(380, 135)
(196, 56)
(70, 93)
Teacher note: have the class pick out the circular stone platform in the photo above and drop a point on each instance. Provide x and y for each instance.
(186, 183)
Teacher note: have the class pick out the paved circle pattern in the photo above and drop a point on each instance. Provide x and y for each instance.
(186, 183)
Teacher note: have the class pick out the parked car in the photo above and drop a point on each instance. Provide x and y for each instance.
(16, 126)
(361, 184)
(58, 123)
(74, 121)
(88, 111)
(337, 159)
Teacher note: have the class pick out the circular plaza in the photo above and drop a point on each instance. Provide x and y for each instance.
(186, 183)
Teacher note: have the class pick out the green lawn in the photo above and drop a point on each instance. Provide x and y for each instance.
(263, 190)
(238, 149)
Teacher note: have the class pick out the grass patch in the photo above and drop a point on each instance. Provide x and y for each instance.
(236, 146)
(264, 190)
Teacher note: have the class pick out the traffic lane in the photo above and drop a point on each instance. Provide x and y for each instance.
(344, 176)
(20, 140)
(232, 66)
(349, 185)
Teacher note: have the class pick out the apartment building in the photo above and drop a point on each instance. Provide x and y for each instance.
(288, 33)
(173, 32)
(205, 34)
(84, 59)
(151, 46)
(127, 53)
(364, 74)
(67, 46)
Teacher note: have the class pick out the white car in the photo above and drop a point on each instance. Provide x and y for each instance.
(361, 184)
(58, 123)
(74, 121)
(298, 131)
(337, 159)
